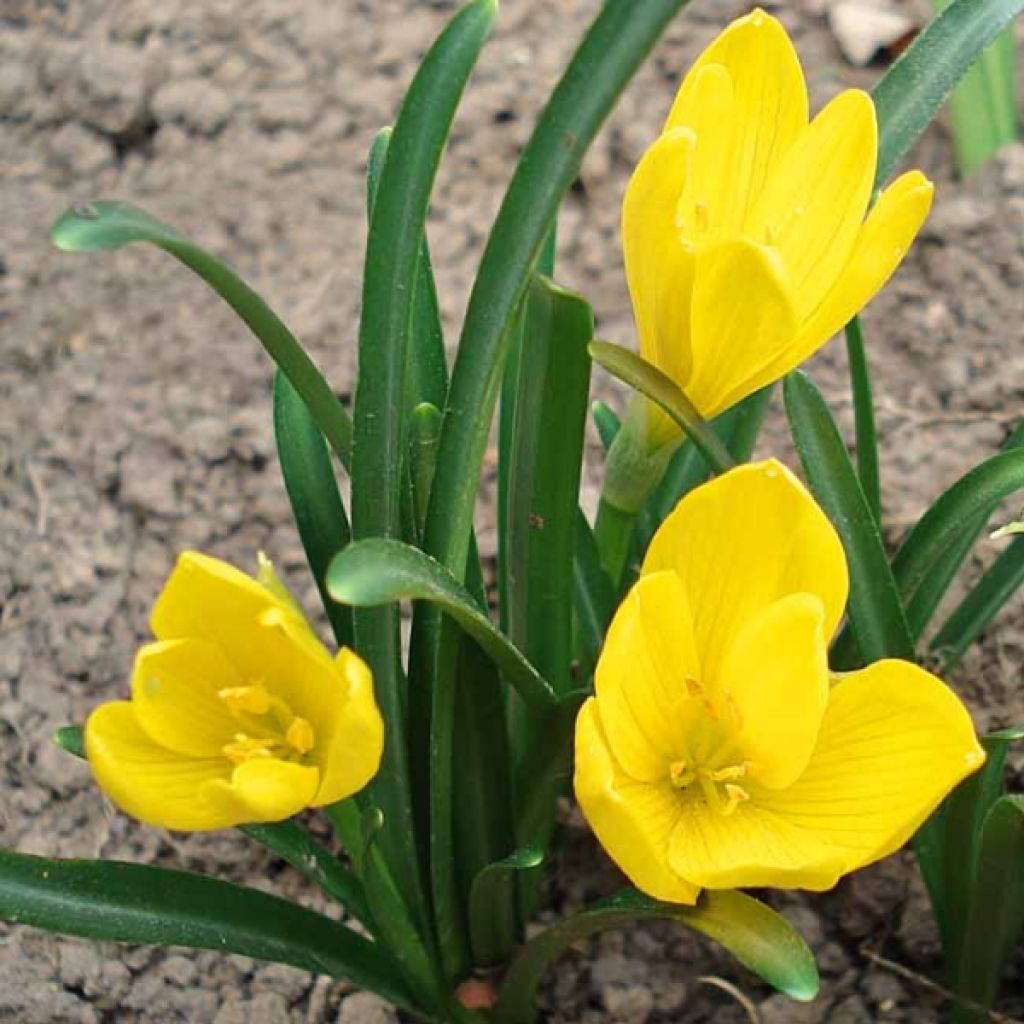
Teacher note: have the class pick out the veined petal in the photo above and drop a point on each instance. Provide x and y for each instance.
(659, 269)
(741, 542)
(813, 204)
(883, 241)
(894, 741)
(632, 821)
(742, 317)
(174, 692)
(349, 755)
(769, 108)
(145, 780)
(641, 678)
(263, 789)
(750, 847)
(776, 672)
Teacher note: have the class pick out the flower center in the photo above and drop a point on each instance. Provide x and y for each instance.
(711, 769)
(269, 726)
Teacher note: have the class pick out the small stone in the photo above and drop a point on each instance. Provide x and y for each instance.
(76, 149)
(850, 1011)
(266, 1008)
(194, 102)
(780, 1009)
(366, 1008)
(632, 1004)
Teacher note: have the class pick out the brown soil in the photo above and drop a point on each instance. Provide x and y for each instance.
(135, 422)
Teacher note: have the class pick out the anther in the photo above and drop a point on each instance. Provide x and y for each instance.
(680, 774)
(734, 771)
(255, 700)
(693, 688)
(735, 795)
(300, 735)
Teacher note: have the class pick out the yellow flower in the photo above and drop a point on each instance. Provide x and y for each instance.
(238, 712)
(718, 752)
(745, 241)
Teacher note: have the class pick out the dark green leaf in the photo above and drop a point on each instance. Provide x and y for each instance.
(106, 225)
(426, 429)
(593, 599)
(758, 937)
(133, 903)
(864, 419)
(913, 90)
(607, 423)
(875, 609)
(487, 900)
(71, 738)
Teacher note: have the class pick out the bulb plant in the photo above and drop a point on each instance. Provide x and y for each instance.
(726, 668)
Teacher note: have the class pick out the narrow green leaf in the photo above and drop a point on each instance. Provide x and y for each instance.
(997, 909)
(71, 739)
(107, 225)
(607, 423)
(119, 902)
(875, 610)
(911, 92)
(313, 494)
(394, 246)
(379, 571)
(864, 419)
(593, 600)
(757, 936)
(487, 898)
(423, 438)
(997, 585)
(653, 384)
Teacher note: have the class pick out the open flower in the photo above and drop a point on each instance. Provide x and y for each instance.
(238, 712)
(745, 241)
(718, 752)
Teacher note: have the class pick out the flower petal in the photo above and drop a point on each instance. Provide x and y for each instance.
(813, 204)
(263, 789)
(641, 677)
(349, 756)
(148, 781)
(742, 317)
(741, 542)
(770, 102)
(174, 692)
(776, 672)
(883, 241)
(894, 741)
(659, 269)
(632, 821)
(750, 847)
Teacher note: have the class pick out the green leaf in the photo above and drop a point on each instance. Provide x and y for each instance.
(107, 225)
(996, 915)
(71, 739)
(119, 902)
(757, 936)
(606, 422)
(864, 419)
(875, 610)
(378, 571)
(651, 382)
(593, 599)
(313, 494)
(391, 268)
(487, 899)
(966, 623)
(913, 90)
(423, 438)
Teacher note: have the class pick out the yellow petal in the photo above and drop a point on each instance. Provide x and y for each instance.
(894, 741)
(742, 317)
(174, 690)
(750, 847)
(349, 755)
(148, 781)
(813, 204)
(263, 789)
(776, 672)
(632, 821)
(741, 542)
(641, 677)
(883, 241)
(659, 269)
(769, 107)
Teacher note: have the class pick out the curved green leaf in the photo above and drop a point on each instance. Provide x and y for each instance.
(756, 935)
(379, 571)
(607, 423)
(913, 90)
(875, 610)
(313, 494)
(108, 225)
(488, 897)
(864, 419)
(651, 382)
(122, 902)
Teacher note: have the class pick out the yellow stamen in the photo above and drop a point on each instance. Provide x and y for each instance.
(300, 735)
(244, 748)
(735, 796)
(680, 774)
(693, 688)
(253, 700)
(733, 771)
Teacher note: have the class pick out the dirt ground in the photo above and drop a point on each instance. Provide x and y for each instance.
(135, 422)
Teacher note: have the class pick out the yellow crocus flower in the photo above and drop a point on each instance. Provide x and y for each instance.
(744, 232)
(238, 712)
(718, 752)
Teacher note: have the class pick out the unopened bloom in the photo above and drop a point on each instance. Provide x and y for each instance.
(238, 712)
(744, 232)
(718, 752)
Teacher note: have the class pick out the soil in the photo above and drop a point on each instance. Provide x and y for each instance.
(135, 422)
